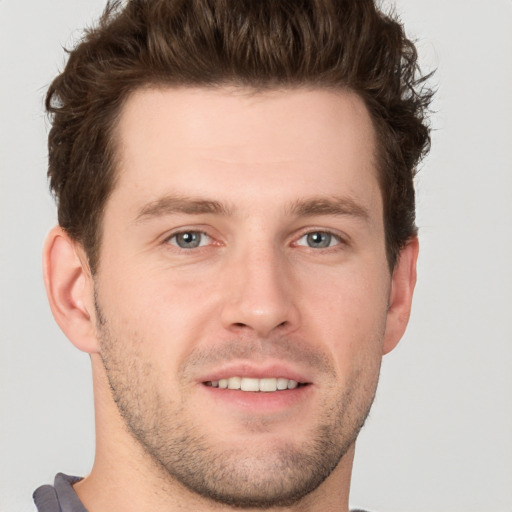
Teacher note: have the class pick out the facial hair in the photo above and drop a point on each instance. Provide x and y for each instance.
(280, 475)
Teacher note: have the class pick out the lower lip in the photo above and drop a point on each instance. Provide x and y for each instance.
(259, 402)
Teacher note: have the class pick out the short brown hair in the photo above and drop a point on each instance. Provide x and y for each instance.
(263, 44)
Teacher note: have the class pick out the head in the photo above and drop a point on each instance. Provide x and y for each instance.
(234, 182)
(333, 45)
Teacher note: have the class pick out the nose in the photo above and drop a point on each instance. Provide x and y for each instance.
(259, 294)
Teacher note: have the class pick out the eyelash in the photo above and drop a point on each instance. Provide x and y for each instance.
(174, 236)
(331, 235)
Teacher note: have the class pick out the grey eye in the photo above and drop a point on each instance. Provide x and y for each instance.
(189, 239)
(319, 239)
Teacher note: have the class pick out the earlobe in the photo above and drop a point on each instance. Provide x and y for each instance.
(70, 290)
(400, 297)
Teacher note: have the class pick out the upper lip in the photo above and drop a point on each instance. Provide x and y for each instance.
(255, 371)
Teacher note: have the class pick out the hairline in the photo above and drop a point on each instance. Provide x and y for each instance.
(231, 86)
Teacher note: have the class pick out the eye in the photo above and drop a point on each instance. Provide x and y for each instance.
(318, 240)
(189, 239)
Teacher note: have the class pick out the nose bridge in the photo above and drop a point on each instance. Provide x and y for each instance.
(258, 290)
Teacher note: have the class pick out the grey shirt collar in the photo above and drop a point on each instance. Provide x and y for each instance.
(60, 497)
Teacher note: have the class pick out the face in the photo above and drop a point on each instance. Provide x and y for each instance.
(242, 292)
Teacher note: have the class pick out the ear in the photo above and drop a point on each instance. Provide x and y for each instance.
(70, 289)
(400, 297)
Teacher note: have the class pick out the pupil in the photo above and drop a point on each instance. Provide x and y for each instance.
(319, 239)
(188, 240)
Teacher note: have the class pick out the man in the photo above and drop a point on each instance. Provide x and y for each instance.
(236, 247)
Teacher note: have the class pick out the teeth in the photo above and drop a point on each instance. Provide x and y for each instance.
(282, 384)
(234, 383)
(248, 384)
(268, 385)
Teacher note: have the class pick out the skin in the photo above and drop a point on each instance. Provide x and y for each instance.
(252, 175)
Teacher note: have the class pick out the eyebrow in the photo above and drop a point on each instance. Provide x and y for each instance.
(329, 206)
(169, 205)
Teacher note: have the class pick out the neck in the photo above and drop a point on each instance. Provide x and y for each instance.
(125, 478)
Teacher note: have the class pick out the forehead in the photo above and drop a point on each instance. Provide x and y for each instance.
(225, 142)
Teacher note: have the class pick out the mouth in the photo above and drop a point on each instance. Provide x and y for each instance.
(266, 390)
(255, 385)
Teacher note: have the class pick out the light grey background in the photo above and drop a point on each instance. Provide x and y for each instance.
(439, 438)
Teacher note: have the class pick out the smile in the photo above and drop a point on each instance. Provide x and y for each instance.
(266, 385)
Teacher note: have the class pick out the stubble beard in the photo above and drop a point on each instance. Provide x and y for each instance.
(279, 476)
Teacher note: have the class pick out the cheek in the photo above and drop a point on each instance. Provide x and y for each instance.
(163, 312)
(349, 308)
